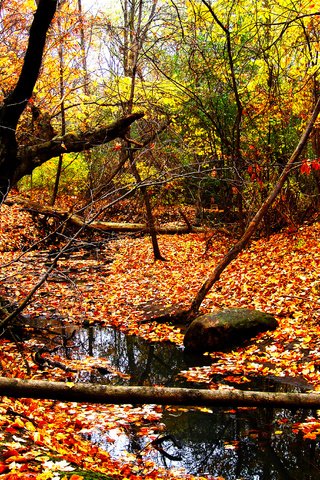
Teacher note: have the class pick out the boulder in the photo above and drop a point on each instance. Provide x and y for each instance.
(226, 329)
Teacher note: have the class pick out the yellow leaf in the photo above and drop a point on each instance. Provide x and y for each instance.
(29, 426)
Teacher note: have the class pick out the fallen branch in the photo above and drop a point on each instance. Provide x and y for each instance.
(138, 227)
(106, 394)
(80, 222)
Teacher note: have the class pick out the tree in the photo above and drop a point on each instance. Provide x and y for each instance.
(244, 83)
(254, 223)
(134, 34)
(17, 161)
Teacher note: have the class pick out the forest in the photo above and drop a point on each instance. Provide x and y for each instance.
(159, 239)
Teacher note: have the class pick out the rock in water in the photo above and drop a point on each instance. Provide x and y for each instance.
(226, 329)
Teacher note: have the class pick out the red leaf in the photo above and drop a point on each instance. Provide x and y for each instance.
(305, 167)
(315, 164)
(3, 467)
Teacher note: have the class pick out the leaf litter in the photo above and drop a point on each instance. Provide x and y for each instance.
(279, 275)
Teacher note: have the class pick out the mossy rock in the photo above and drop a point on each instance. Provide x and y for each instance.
(226, 329)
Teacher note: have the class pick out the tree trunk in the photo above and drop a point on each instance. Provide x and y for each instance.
(149, 214)
(133, 49)
(62, 112)
(15, 103)
(106, 394)
(17, 162)
(32, 156)
(239, 246)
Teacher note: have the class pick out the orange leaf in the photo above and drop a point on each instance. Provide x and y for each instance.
(10, 453)
(17, 459)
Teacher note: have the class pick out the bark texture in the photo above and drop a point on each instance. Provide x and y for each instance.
(32, 156)
(105, 394)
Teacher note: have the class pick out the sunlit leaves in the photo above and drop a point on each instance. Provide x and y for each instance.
(278, 275)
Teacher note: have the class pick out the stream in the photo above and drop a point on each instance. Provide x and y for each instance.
(236, 444)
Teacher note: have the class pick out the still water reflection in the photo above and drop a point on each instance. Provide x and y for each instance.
(246, 444)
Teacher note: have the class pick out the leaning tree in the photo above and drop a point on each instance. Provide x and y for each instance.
(19, 160)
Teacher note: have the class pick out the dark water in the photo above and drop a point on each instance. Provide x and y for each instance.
(247, 444)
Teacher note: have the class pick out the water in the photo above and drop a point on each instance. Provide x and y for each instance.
(246, 444)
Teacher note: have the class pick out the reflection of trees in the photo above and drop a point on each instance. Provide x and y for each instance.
(135, 442)
(147, 364)
(139, 376)
(258, 452)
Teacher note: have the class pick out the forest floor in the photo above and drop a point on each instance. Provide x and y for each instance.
(119, 284)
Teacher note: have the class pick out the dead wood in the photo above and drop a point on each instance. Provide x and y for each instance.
(106, 394)
(78, 221)
(32, 156)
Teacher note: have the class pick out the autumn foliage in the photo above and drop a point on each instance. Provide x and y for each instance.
(278, 275)
(193, 110)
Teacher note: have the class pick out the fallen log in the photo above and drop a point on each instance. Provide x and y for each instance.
(32, 156)
(106, 394)
(122, 227)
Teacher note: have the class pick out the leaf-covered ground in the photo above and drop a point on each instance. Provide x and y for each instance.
(116, 286)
